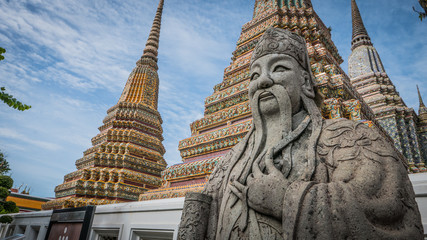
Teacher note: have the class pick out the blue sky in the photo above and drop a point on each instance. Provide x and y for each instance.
(71, 61)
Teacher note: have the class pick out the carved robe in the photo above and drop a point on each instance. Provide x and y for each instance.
(359, 190)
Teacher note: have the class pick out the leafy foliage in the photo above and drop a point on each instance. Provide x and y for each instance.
(4, 165)
(2, 50)
(6, 181)
(10, 207)
(4, 192)
(6, 206)
(422, 14)
(7, 98)
(11, 101)
(6, 219)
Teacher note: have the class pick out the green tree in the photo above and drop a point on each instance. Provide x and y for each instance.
(423, 13)
(4, 165)
(2, 50)
(7, 98)
(6, 183)
(6, 207)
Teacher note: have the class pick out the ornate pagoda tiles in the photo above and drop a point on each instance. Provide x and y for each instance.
(126, 157)
(227, 117)
(370, 79)
(422, 126)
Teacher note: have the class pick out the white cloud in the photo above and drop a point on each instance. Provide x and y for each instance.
(11, 134)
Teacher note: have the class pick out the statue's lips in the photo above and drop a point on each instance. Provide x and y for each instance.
(265, 96)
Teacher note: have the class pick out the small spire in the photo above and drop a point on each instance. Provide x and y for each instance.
(152, 45)
(423, 108)
(360, 35)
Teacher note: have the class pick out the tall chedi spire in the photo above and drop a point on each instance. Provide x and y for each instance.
(126, 158)
(152, 45)
(423, 108)
(369, 78)
(360, 35)
(227, 117)
(422, 125)
(142, 85)
(361, 46)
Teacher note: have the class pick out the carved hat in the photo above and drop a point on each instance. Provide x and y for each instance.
(281, 41)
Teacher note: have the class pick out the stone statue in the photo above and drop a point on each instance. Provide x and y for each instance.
(296, 175)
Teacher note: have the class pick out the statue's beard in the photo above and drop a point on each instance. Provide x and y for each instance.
(263, 110)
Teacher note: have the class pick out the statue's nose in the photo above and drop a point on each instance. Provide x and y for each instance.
(265, 82)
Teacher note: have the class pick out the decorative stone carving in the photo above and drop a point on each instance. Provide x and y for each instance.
(298, 176)
(194, 221)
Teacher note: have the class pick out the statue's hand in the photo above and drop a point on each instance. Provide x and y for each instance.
(264, 192)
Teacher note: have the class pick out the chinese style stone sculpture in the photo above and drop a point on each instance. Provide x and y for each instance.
(297, 175)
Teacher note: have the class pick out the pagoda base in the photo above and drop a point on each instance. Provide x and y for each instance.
(421, 167)
(74, 202)
(171, 192)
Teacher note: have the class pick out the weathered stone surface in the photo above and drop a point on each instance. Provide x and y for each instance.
(298, 176)
(194, 220)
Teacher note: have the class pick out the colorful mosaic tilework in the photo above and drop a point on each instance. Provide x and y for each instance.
(227, 109)
(222, 138)
(60, 203)
(232, 79)
(390, 125)
(236, 99)
(221, 117)
(126, 158)
(227, 93)
(189, 170)
(413, 139)
(172, 192)
(404, 138)
(423, 144)
(370, 79)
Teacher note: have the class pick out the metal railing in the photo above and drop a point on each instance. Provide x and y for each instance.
(14, 237)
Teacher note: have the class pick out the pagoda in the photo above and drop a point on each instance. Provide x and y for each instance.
(126, 158)
(422, 125)
(227, 116)
(369, 78)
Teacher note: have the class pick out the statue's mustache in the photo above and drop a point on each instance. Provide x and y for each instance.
(280, 93)
(266, 95)
(277, 91)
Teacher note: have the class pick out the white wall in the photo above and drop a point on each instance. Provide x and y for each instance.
(33, 225)
(158, 219)
(139, 220)
(419, 182)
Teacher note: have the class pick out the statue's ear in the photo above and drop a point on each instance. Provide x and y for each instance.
(307, 86)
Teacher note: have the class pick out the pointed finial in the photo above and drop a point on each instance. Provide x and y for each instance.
(25, 190)
(152, 45)
(360, 35)
(419, 97)
(423, 108)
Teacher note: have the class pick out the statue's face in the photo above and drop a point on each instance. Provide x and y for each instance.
(272, 76)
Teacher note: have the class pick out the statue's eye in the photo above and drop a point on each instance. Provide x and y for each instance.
(280, 68)
(254, 76)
